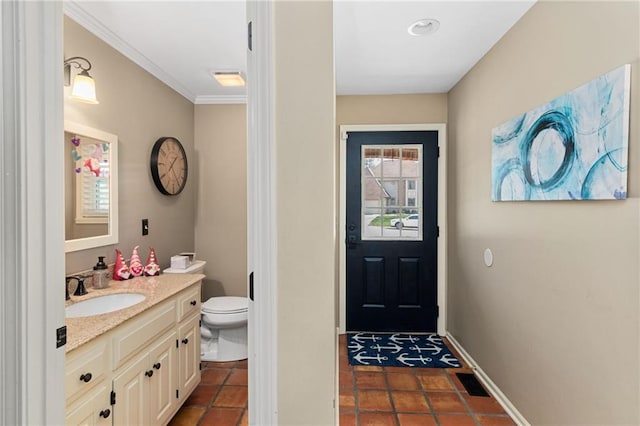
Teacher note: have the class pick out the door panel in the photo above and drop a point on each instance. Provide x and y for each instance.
(392, 231)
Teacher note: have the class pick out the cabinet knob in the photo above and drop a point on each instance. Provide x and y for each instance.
(148, 373)
(157, 366)
(185, 341)
(105, 413)
(86, 377)
(193, 303)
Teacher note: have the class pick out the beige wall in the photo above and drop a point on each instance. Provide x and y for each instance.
(139, 109)
(555, 321)
(221, 199)
(391, 109)
(304, 141)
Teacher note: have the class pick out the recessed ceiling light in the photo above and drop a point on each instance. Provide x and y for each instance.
(229, 79)
(424, 27)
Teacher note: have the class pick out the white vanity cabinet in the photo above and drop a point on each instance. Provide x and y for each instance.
(142, 370)
(88, 385)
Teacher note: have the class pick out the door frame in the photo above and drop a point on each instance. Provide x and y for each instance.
(441, 128)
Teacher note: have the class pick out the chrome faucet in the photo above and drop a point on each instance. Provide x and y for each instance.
(80, 289)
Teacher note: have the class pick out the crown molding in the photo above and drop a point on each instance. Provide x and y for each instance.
(221, 99)
(74, 10)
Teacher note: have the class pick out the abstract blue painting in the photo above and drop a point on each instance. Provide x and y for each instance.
(572, 148)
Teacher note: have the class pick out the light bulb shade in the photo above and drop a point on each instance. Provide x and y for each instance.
(229, 79)
(84, 88)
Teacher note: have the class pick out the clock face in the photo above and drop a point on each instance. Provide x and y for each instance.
(169, 166)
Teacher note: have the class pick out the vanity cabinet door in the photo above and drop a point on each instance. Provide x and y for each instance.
(94, 409)
(132, 396)
(189, 356)
(163, 384)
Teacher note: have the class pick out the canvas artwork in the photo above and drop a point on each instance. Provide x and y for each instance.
(572, 148)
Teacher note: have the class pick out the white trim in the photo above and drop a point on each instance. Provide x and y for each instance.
(74, 10)
(262, 227)
(442, 211)
(493, 389)
(220, 99)
(31, 213)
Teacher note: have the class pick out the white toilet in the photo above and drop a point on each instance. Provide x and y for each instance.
(223, 333)
(224, 329)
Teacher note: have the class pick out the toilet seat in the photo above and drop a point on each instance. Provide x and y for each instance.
(225, 305)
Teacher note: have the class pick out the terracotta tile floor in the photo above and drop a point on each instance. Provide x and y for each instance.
(386, 396)
(220, 399)
(398, 396)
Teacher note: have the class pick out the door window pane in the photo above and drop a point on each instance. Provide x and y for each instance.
(391, 187)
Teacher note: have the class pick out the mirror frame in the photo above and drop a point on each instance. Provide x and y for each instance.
(112, 236)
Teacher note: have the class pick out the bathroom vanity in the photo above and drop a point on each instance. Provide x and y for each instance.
(135, 366)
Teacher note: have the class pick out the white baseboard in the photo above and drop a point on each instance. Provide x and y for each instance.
(489, 384)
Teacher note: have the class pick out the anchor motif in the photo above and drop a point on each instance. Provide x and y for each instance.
(434, 348)
(404, 357)
(397, 339)
(449, 360)
(355, 347)
(360, 338)
(395, 348)
(361, 356)
(433, 338)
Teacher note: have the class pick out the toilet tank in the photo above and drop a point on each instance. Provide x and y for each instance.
(197, 267)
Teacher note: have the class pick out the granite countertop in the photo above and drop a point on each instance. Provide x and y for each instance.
(156, 289)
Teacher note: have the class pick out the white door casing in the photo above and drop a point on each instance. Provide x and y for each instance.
(442, 211)
(31, 213)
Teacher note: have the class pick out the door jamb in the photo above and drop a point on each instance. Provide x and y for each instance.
(441, 128)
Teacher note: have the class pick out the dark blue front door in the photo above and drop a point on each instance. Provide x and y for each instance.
(391, 220)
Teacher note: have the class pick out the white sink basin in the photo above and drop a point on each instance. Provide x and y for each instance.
(103, 304)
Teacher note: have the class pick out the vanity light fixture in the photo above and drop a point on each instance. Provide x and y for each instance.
(424, 27)
(229, 79)
(84, 87)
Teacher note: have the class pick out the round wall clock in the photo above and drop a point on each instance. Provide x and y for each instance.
(169, 166)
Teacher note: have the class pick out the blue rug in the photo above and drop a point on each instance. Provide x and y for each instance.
(399, 350)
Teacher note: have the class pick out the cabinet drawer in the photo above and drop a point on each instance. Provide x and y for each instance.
(86, 367)
(189, 302)
(140, 331)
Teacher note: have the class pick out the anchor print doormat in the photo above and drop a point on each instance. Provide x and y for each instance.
(400, 350)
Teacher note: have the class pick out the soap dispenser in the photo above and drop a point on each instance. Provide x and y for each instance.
(100, 274)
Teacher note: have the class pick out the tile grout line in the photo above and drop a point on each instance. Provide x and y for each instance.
(426, 397)
(390, 396)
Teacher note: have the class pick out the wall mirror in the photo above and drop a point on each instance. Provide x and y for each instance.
(90, 187)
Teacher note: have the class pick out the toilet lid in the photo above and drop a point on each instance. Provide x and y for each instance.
(225, 305)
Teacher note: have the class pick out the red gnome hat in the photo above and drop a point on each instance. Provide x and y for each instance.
(136, 265)
(120, 270)
(152, 268)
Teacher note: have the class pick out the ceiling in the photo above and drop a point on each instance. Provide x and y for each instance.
(183, 42)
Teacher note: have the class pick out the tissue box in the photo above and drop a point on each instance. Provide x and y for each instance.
(190, 255)
(179, 262)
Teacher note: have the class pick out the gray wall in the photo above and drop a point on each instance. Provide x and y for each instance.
(139, 109)
(221, 199)
(555, 321)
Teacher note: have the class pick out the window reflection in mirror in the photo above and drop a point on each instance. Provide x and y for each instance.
(90, 187)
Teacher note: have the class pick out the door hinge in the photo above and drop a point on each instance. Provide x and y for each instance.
(200, 366)
(177, 394)
(437, 311)
(250, 36)
(437, 232)
(200, 323)
(251, 286)
(438, 151)
(113, 398)
(177, 344)
(61, 336)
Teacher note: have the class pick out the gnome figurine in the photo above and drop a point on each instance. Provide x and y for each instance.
(120, 270)
(135, 266)
(152, 268)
